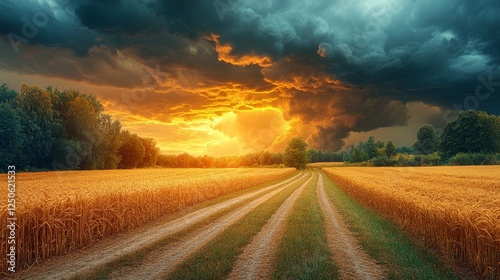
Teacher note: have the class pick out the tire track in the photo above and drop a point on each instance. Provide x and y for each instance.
(88, 260)
(161, 265)
(258, 256)
(353, 261)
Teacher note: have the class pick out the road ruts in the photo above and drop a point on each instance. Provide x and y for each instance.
(352, 260)
(163, 263)
(257, 259)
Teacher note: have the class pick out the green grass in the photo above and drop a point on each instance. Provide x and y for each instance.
(385, 242)
(136, 259)
(303, 252)
(216, 259)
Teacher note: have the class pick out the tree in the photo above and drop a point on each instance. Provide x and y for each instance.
(390, 149)
(313, 155)
(107, 150)
(265, 158)
(12, 138)
(277, 158)
(295, 154)
(471, 132)
(151, 153)
(359, 155)
(371, 147)
(427, 140)
(39, 125)
(184, 160)
(208, 161)
(6, 94)
(132, 151)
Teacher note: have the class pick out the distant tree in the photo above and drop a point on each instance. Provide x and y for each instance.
(404, 150)
(7, 95)
(39, 124)
(208, 161)
(295, 154)
(132, 151)
(427, 140)
(371, 147)
(169, 161)
(313, 155)
(471, 132)
(151, 153)
(184, 160)
(359, 155)
(347, 155)
(277, 158)
(390, 149)
(265, 158)
(12, 139)
(108, 148)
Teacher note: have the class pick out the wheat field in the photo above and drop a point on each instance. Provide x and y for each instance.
(60, 212)
(453, 209)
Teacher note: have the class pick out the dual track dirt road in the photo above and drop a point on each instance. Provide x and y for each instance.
(256, 260)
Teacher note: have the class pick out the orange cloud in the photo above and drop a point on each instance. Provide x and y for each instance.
(225, 54)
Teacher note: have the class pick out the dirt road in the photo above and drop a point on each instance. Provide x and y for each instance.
(256, 260)
(164, 262)
(353, 262)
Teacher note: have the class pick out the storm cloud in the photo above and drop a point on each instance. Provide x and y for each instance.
(334, 67)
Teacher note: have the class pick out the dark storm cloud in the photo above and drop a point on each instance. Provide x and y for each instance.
(335, 115)
(48, 23)
(358, 62)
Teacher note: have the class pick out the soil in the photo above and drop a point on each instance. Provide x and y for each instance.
(258, 257)
(352, 260)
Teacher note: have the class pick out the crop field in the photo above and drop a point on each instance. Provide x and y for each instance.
(454, 209)
(60, 212)
(266, 223)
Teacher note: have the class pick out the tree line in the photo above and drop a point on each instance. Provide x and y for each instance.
(49, 129)
(473, 138)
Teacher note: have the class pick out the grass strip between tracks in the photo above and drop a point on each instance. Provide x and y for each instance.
(385, 242)
(303, 252)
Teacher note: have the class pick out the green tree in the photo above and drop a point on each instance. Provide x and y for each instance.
(265, 158)
(132, 151)
(359, 155)
(6, 94)
(151, 153)
(371, 147)
(11, 142)
(40, 125)
(277, 158)
(471, 132)
(295, 154)
(107, 155)
(390, 149)
(427, 140)
(313, 155)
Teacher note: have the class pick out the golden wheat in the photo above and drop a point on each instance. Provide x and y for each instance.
(60, 212)
(454, 209)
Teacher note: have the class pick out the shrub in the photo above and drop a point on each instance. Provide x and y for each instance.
(383, 161)
(474, 159)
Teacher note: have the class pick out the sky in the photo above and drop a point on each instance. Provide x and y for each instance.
(230, 77)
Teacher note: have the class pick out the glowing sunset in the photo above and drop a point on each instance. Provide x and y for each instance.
(328, 71)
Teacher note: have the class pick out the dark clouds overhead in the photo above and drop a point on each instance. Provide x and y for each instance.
(339, 66)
